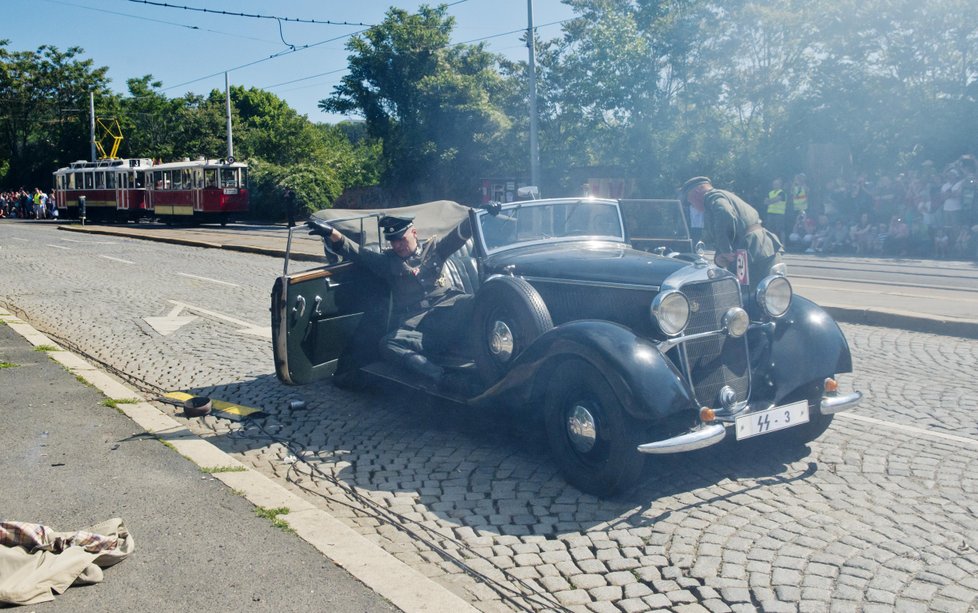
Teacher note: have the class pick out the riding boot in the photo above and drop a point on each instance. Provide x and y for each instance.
(423, 366)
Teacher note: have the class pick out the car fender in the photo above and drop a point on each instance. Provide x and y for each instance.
(807, 345)
(646, 382)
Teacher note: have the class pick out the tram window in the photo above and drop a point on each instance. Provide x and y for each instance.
(158, 180)
(171, 180)
(210, 177)
(228, 177)
(139, 180)
(186, 179)
(198, 175)
(110, 181)
(99, 180)
(244, 178)
(89, 180)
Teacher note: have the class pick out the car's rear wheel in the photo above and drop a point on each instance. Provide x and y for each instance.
(509, 315)
(593, 440)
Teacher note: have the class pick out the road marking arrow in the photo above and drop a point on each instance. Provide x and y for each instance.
(171, 322)
(246, 327)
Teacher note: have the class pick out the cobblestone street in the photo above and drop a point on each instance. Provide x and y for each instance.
(877, 514)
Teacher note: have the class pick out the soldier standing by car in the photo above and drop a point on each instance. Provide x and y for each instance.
(431, 314)
(732, 225)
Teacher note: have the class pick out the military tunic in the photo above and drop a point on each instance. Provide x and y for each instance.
(430, 314)
(731, 224)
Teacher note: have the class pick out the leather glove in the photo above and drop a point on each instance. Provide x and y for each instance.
(319, 228)
(492, 208)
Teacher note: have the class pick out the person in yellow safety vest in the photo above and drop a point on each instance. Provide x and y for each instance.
(776, 203)
(798, 198)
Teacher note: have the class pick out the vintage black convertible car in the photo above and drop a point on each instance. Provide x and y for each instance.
(621, 352)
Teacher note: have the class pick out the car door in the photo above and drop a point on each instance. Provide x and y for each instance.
(323, 314)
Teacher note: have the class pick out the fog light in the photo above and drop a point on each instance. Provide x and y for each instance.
(707, 414)
(736, 321)
(831, 385)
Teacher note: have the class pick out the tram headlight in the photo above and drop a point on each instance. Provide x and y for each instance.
(774, 295)
(670, 311)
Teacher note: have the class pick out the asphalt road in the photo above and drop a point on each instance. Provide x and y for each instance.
(876, 515)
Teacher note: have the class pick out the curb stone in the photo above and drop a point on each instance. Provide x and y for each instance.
(403, 586)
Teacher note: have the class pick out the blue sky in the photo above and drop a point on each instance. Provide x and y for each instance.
(188, 50)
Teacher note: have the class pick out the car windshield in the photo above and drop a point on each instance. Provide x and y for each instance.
(532, 221)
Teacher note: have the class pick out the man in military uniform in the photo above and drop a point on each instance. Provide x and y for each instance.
(730, 225)
(431, 315)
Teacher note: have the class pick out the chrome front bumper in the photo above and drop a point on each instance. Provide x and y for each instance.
(706, 435)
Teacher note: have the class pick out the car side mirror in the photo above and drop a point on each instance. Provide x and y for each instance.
(530, 191)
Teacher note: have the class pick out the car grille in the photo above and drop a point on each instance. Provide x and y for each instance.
(715, 361)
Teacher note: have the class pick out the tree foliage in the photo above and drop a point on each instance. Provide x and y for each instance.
(656, 90)
(43, 109)
(432, 105)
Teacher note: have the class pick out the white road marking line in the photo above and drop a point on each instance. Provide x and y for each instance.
(247, 328)
(17, 238)
(109, 257)
(75, 240)
(60, 247)
(911, 429)
(183, 274)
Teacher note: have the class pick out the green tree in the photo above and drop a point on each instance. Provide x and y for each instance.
(432, 105)
(44, 97)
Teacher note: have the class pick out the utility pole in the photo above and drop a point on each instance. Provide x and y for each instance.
(227, 108)
(534, 144)
(91, 121)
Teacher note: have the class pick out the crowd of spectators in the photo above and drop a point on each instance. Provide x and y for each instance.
(925, 212)
(26, 205)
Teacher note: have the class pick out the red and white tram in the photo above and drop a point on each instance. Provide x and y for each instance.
(190, 191)
(114, 189)
(198, 190)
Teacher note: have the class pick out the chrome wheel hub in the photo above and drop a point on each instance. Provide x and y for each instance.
(501, 341)
(581, 429)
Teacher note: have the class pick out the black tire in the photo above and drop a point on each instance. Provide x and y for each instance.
(607, 462)
(509, 315)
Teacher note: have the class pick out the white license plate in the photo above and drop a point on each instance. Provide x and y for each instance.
(772, 420)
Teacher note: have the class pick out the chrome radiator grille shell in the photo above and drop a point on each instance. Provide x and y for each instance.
(716, 361)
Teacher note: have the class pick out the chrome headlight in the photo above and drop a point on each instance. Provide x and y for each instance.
(736, 321)
(774, 295)
(670, 310)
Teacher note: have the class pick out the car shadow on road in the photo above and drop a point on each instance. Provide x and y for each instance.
(487, 470)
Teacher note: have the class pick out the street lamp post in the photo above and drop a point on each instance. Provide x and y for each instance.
(534, 144)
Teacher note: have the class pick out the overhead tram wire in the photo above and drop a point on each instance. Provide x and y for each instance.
(251, 15)
(465, 42)
(297, 48)
(150, 19)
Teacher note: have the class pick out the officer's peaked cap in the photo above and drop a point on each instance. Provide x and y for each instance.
(395, 227)
(691, 183)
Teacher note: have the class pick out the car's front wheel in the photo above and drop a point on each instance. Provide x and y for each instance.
(592, 438)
